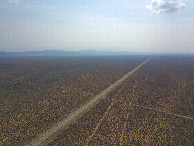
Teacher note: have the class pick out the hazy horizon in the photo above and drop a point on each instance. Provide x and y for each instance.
(157, 26)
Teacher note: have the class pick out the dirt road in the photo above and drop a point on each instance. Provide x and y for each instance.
(73, 116)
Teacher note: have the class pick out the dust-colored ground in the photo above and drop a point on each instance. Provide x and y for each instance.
(153, 107)
(37, 93)
(84, 108)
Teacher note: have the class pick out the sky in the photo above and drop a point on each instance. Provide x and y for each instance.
(165, 26)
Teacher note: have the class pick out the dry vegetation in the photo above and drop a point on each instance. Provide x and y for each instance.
(152, 107)
(36, 93)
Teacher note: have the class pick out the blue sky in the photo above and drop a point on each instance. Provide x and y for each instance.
(122, 25)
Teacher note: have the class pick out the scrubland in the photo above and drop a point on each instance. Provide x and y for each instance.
(36, 93)
(154, 106)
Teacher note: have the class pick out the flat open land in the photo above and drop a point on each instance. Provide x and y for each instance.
(153, 106)
(36, 93)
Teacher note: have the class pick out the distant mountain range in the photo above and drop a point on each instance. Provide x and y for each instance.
(61, 53)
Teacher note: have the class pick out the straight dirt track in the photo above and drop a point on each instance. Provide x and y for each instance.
(83, 109)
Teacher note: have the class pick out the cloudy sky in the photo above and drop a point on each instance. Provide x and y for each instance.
(125, 25)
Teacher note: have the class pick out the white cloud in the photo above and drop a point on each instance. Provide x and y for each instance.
(165, 6)
(14, 1)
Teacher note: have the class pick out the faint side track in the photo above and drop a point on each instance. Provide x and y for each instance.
(99, 123)
(75, 115)
(165, 112)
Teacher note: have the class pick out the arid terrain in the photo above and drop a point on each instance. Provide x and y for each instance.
(153, 106)
(36, 93)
